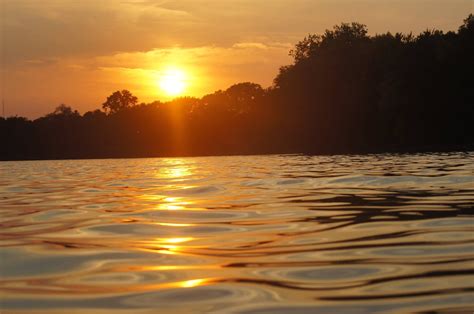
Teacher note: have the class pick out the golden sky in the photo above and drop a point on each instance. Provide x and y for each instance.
(79, 51)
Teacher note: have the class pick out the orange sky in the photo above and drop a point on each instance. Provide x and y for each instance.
(79, 51)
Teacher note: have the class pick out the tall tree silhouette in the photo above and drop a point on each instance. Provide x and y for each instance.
(119, 100)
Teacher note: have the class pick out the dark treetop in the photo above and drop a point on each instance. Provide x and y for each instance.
(345, 92)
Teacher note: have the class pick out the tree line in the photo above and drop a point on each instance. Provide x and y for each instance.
(345, 92)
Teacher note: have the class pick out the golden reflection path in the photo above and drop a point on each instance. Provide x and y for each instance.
(285, 230)
(65, 289)
(177, 170)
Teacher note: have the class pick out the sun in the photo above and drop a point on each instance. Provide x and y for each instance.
(173, 82)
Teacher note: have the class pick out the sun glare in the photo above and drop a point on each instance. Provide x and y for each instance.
(173, 82)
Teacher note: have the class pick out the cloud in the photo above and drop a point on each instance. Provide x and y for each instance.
(35, 29)
(40, 62)
(250, 45)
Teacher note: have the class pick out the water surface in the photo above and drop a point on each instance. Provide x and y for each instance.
(254, 234)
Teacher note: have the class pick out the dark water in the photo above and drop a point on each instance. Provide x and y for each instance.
(256, 234)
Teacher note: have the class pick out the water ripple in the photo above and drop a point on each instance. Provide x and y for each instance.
(257, 234)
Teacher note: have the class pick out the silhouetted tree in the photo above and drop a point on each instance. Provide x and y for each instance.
(94, 115)
(64, 111)
(243, 96)
(118, 101)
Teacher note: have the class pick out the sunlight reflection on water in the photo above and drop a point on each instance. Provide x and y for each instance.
(256, 234)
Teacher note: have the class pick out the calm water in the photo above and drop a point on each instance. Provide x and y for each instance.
(257, 234)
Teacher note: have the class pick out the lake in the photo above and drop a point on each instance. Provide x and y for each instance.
(247, 234)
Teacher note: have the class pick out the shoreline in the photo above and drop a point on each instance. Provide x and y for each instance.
(433, 149)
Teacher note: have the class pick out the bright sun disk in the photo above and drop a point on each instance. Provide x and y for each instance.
(173, 82)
